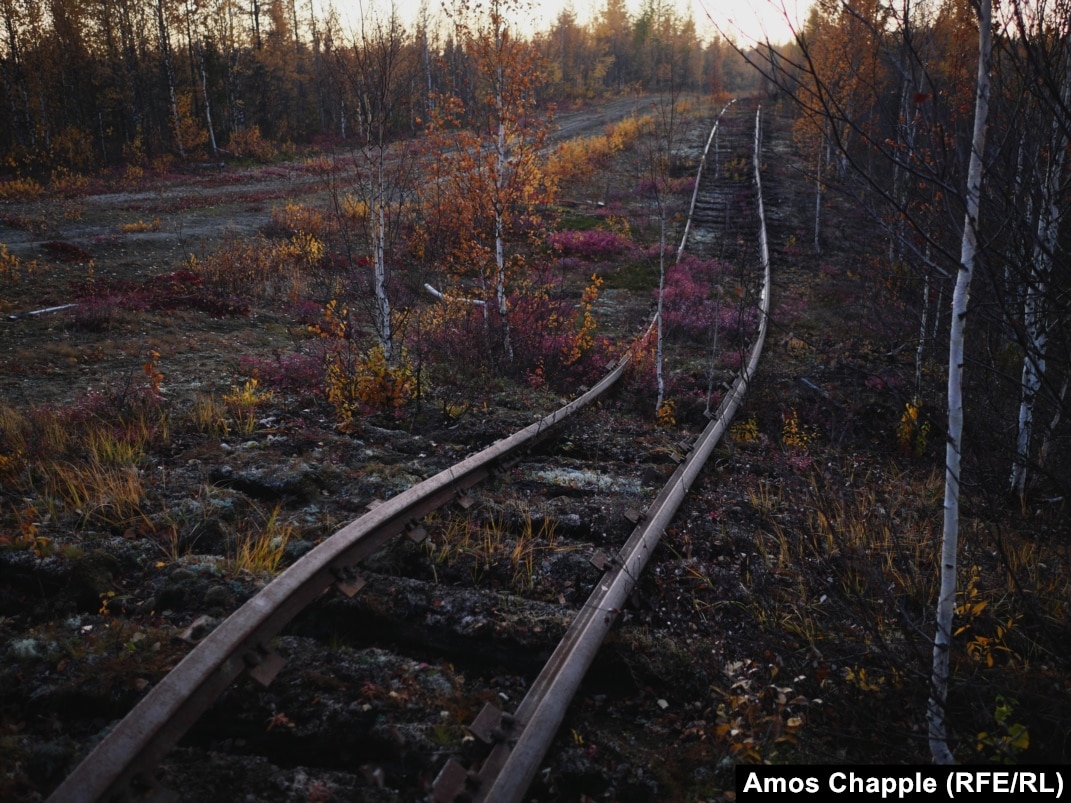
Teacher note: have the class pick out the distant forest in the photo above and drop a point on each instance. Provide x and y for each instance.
(92, 84)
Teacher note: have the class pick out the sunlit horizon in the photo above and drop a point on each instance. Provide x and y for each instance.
(745, 23)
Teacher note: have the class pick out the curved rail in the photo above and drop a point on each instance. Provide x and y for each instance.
(125, 758)
(699, 174)
(521, 740)
(127, 755)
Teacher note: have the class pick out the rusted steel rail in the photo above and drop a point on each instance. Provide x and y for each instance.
(125, 759)
(698, 177)
(520, 740)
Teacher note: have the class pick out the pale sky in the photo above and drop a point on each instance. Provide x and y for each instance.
(742, 20)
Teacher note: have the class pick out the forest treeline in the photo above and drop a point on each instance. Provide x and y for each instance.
(96, 83)
(886, 102)
(882, 93)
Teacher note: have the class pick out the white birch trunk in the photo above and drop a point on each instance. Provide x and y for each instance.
(500, 223)
(920, 350)
(1048, 435)
(1033, 372)
(823, 156)
(379, 260)
(659, 379)
(936, 709)
(169, 70)
(208, 105)
(1035, 320)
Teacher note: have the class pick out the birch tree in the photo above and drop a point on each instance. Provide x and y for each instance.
(378, 76)
(937, 707)
(168, 66)
(489, 159)
(666, 77)
(1049, 171)
(925, 163)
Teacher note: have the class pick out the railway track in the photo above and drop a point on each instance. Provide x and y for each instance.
(503, 758)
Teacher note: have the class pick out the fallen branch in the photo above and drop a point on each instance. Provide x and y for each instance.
(41, 311)
(443, 297)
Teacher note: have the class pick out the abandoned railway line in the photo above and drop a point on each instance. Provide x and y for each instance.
(352, 588)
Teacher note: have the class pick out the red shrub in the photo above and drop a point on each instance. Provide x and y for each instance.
(593, 245)
(691, 306)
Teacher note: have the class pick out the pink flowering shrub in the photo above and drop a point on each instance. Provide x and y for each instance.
(99, 298)
(592, 245)
(668, 250)
(691, 307)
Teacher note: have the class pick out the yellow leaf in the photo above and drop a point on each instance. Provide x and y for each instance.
(1020, 737)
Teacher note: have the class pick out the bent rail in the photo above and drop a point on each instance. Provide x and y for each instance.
(240, 643)
(698, 176)
(521, 740)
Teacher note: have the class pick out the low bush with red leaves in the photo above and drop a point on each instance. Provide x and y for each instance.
(100, 299)
(593, 245)
(697, 299)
